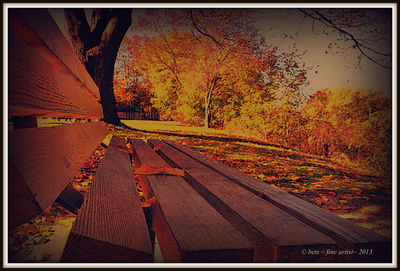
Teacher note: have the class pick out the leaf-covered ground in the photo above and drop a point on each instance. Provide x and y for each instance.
(363, 199)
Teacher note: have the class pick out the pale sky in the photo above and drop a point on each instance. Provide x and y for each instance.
(333, 70)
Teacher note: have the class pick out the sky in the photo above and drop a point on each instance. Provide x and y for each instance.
(328, 69)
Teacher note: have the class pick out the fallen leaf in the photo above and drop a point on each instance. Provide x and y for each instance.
(159, 147)
(45, 257)
(149, 202)
(149, 170)
(120, 149)
(130, 148)
(174, 171)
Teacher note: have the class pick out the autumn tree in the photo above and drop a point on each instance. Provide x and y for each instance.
(349, 124)
(132, 92)
(97, 46)
(131, 88)
(203, 61)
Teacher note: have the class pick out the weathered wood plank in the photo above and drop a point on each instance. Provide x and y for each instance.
(187, 227)
(277, 236)
(110, 226)
(349, 235)
(41, 85)
(38, 29)
(45, 161)
(21, 203)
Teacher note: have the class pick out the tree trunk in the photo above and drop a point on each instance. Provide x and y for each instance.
(326, 150)
(207, 117)
(102, 67)
(369, 113)
(207, 101)
(97, 47)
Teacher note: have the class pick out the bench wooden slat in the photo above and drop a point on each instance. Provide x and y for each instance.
(278, 237)
(41, 85)
(342, 230)
(110, 226)
(44, 160)
(187, 227)
(44, 32)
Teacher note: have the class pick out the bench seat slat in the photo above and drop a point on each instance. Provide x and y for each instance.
(43, 162)
(282, 236)
(187, 227)
(342, 230)
(110, 226)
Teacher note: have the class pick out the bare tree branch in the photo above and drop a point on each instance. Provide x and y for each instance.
(358, 43)
(78, 30)
(100, 19)
(197, 27)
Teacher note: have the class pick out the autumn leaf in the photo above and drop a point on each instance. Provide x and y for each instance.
(159, 147)
(175, 171)
(149, 202)
(130, 148)
(323, 198)
(121, 149)
(149, 170)
(45, 257)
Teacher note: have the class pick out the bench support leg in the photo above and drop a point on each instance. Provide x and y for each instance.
(71, 199)
(24, 122)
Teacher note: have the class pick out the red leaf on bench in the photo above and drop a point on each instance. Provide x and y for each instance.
(149, 170)
(159, 147)
(149, 202)
(123, 149)
(174, 171)
(130, 148)
(119, 149)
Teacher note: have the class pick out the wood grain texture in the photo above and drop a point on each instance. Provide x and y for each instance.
(38, 29)
(110, 226)
(39, 82)
(187, 227)
(46, 159)
(21, 203)
(347, 234)
(267, 226)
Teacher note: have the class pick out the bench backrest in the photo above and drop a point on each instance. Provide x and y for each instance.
(46, 79)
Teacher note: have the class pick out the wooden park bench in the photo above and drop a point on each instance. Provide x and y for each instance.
(213, 213)
(279, 226)
(46, 79)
